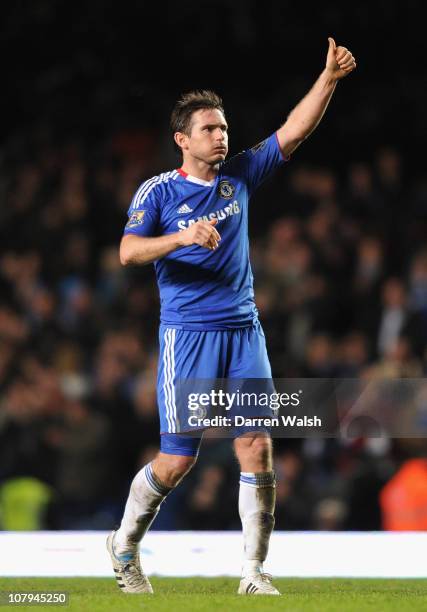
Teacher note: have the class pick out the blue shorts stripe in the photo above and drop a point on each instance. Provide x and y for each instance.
(174, 416)
(168, 377)
(165, 380)
(169, 374)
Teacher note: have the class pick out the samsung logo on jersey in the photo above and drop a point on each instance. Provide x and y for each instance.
(222, 213)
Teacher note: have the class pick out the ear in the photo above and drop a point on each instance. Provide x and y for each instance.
(181, 140)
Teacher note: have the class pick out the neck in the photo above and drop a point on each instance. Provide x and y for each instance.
(200, 169)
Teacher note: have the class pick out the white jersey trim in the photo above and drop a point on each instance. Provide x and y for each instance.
(198, 181)
(146, 187)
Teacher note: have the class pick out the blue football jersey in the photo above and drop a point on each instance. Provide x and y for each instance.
(202, 289)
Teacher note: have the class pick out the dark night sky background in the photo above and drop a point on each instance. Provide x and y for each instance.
(89, 67)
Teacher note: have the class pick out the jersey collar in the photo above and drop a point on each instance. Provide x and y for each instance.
(194, 179)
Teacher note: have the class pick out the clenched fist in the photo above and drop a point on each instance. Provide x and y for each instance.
(339, 62)
(202, 233)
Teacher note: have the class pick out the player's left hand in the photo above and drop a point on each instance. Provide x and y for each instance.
(340, 61)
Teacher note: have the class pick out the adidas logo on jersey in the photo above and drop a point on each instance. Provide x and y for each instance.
(184, 209)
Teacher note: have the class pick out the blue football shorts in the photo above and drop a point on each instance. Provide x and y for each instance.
(225, 354)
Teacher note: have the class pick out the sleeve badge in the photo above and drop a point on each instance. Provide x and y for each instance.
(259, 147)
(136, 218)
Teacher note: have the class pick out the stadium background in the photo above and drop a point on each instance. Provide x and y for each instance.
(338, 246)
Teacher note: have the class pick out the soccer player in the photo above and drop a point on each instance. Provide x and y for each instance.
(193, 224)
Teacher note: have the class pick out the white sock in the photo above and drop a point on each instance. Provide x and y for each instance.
(257, 497)
(145, 496)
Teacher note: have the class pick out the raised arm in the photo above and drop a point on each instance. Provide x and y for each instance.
(309, 111)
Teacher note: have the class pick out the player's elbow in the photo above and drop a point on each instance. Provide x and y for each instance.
(124, 258)
(133, 252)
(125, 253)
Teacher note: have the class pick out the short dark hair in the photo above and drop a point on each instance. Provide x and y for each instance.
(188, 104)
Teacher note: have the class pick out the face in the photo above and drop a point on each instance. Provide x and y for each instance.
(208, 139)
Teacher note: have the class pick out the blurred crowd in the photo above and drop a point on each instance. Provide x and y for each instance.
(340, 265)
(338, 249)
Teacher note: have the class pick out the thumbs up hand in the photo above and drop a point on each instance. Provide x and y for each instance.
(339, 61)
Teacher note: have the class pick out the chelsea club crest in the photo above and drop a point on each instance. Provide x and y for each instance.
(226, 190)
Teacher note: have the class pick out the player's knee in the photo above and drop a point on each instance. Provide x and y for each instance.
(181, 465)
(261, 451)
(255, 451)
(172, 468)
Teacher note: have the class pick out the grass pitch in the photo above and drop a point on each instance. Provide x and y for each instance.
(219, 594)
